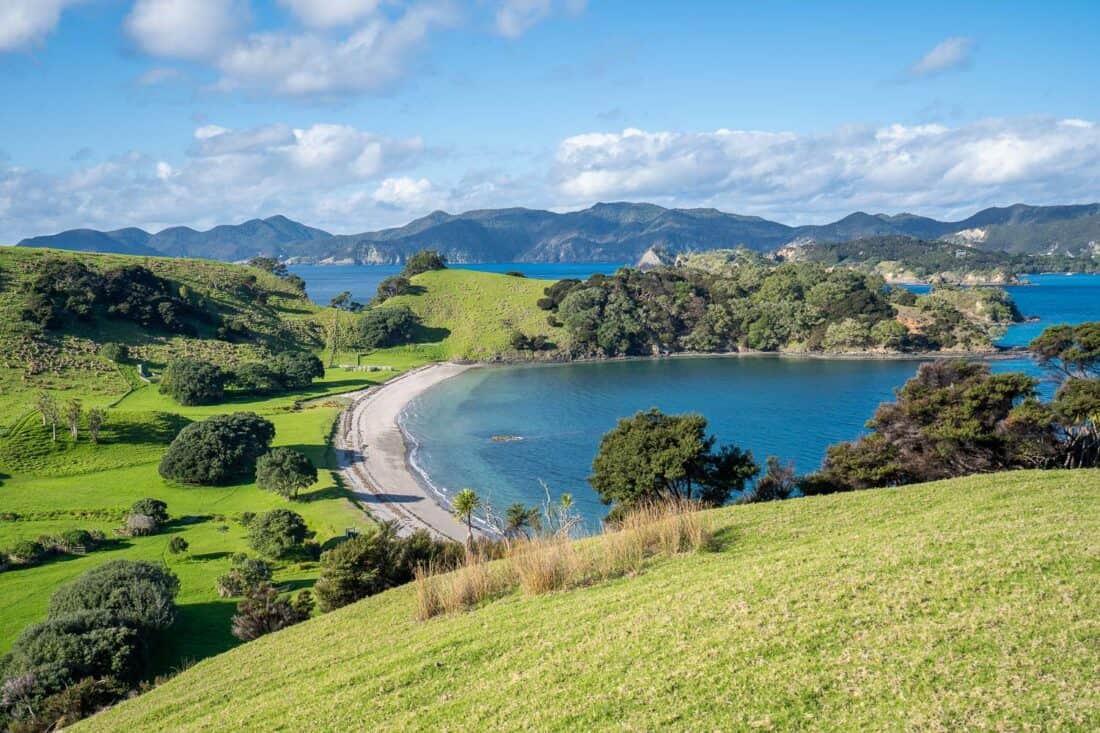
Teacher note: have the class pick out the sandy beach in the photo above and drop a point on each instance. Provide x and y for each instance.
(373, 455)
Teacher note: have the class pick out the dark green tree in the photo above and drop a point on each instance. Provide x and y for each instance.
(263, 611)
(136, 592)
(423, 261)
(297, 369)
(391, 287)
(380, 328)
(277, 533)
(154, 508)
(285, 471)
(193, 382)
(654, 457)
(219, 449)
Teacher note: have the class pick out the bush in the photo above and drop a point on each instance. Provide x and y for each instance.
(193, 382)
(64, 649)
(27, 552)
(285, 471)
(423, 261)
(117, 353)
(380, 559)
(277, 533)
(219, 449)
(256, 378)
(177, 545)
(297, 369)
(246, 574)
(264, 611)
(383, 327)
(77, 540)
(154, 508)
(136, 592)
(392, 287)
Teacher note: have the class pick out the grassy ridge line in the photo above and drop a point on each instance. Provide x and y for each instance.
(963, 604)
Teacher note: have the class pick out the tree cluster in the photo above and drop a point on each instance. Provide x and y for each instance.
(195, 382)
(380, 328)
(94, 644)
(377, 560)
(278, 533)
(67, 290)
(423, 261)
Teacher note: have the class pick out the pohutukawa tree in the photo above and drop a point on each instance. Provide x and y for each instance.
(1072, 353)
(285, 471)
(657, 457)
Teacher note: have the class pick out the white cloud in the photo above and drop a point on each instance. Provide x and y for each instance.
(516, 17)
(27, 22)
(406, 193)
(185, 29)
(331, 13)
(228, 175)
(159, 75)
(309, 64)
(932, 168)
(948, 55)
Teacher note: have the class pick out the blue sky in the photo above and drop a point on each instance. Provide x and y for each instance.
(358, 114)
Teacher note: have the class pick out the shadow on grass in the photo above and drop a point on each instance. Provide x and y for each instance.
(422, 334)
(160, 428)
(330, 492)
(724, 538)
(292, 585)
(205, 556)
(201, 630)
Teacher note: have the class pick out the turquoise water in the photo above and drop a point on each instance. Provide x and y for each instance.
(792, 408)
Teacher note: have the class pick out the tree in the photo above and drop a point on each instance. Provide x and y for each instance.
(520, 519)
(74, 410)
(391, 287)
(48, 411)
(343, 301)
(193, 382)
(297, 369)
(277, 533)
(155, 509)
(264, 611)
(115, 352)
(269, 264)
(256, 378)
(135, 592)
(656, 457)
(219, 449)
(383, 327)
(285, 471)
(1071, 351)
(423, 261)
(178, 545)
(952, 419)
(245, 574)
(464, 505)
(1077, 405)
(96, 417)
(778, 482)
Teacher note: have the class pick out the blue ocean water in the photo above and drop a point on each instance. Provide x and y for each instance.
(792, 408)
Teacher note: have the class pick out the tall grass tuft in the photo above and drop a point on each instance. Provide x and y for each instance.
(555, 562)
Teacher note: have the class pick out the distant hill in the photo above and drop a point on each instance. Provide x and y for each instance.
(621, 232)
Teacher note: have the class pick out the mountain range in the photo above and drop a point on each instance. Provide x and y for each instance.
(609, 232)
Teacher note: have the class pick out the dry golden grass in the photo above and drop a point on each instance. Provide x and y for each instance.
(556, 562)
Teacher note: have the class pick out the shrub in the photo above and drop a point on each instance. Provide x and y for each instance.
(77, 540)
(246, 518)
(264, 611)
(141, 525)
(193, 382)
(67, 648)
(383, 327)
(423, 261)
(177, 545)
(117, 353)
(376, 560)
(256, 378)
(392, 287)
(135, 592)
(26, 552)
(277, 533)
(245, 574)
(154, 508)
(285, 471)
(79, 701)
(218, 449)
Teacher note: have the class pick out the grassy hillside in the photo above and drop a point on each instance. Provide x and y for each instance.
(47, 488)
(969, 604)
(471, 315)
(65, 362)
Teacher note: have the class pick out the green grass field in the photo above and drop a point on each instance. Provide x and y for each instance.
(971, 604)
(471, 315)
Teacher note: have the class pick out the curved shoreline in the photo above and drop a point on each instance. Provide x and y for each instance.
(373, 455)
